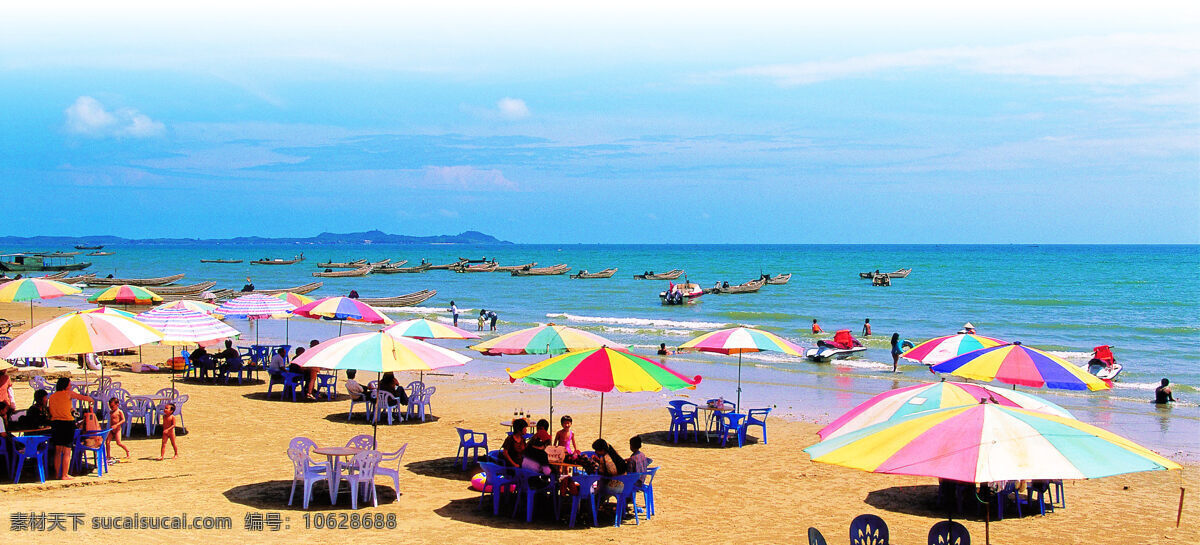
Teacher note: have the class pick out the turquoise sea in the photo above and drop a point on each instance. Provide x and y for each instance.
(1143, 300)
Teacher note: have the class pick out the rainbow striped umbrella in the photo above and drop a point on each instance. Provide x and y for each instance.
(544, 339)
(126, 295)
(295, 299)
(254, 305)
(739, 340)
(422, 328)
(80, 333)
(1017, 364)
(988, 442)
(602, 370)
(181, 326)
(108, 310)
(943, 348)
(189, 304)
(896, 404)
(30, 289)
(342, 308)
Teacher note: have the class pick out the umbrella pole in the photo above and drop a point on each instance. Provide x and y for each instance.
(739, 390)
(552, 404)
(375, 433)
(287, 337)
(601, 434)
(31, 314)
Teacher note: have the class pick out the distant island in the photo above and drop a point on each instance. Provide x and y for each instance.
(365, 237)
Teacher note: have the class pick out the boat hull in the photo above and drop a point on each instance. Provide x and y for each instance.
(828, 353)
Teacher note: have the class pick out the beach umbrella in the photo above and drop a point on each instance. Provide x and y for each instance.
(253, 307)
(189, 304)
(943, 348)
(422, 328)
(126, 295)
(379, 352)
(342, 309)
(181, 327)
(1017, 364)
(30, 289)
(108, 310)
(293, 298)
(900, 403)
(80, 333)
(543, 339)
(603, 370)
(739, 340)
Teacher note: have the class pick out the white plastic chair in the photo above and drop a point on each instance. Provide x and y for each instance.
(422, 402)
(356, 398)
(385, 403)
(361, 441)
(303, 470)
(307, 445)
(361, 471)
(387, 471)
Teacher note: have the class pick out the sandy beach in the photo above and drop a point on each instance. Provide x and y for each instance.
(233, 463)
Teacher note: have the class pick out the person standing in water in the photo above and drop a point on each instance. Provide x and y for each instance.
(816, 328)
(454, 312)
(898, 347)
(867, 327)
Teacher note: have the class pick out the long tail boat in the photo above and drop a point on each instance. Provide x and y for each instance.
(392, 269)
(82, 247)
(778, 280)
(414, 298)
(474, 261)
(511, 268)
(193, 289)
(898, 274)
(446, 267)
(342, 264)
(302, 289)
(669, 275)
(606, 273)
(746, 287)
(560, 268)
(100, 253)
(219, 295)
(78, 278)
(278, 260)
(56, 276)
(221, 260)
(160, 281)
(58, 254)
(361, 271)
(484, 267)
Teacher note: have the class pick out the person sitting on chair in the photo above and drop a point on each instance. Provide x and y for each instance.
(389, 384)
(231, 359)
(512, 452)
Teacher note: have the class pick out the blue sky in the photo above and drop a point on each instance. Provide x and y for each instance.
(539, 122)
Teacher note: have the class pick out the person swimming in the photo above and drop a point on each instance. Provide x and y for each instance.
(1162, 394)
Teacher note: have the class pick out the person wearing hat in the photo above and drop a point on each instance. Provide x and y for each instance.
(967, 329)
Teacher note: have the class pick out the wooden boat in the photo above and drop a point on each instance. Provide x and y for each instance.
(221, 260)
(27, 263)
(58, 254)
(511, 268)
(473, 261)
(681, 294)
(897, 274)
(446, 267)
(778, 280)
(669, 275)
(746, 287)
(483, 267)
(302, 289)
(160, 281)
(78, 278)
(392, 269)
(414, 298)
(606, 273)
(82, 247)
(56, 276)
(342, 264)
(552, 270)
(278, 261)
(100, 253)
(361, 271)
(193, 289)
(222, 294)
(388, 263)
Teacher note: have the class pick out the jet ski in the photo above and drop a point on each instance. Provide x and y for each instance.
(843, 345)
(1103, 364)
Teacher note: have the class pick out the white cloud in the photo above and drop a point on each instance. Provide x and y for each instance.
(88, 117)
(467, 177)
(1119, 59)
(512, 108)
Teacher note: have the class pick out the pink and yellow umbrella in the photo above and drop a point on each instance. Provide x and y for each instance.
(740, 340)
(188, 304)
(30, 289)
(126, 295)
(1017, 364)
(422, 328)
(544, 339)
(295, 299)
(80, 333)
(943, 348)
(342, 308)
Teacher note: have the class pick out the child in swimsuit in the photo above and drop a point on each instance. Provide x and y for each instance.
(116, 420)
(566, 438)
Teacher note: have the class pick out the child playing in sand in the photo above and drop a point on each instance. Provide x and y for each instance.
(116, 421)
(168, 423)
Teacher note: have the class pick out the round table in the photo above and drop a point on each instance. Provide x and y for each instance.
(334, 455)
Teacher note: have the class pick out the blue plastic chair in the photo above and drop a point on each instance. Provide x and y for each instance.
(327, 385)
(497, 483)
(680, 420)
(734, 423)
(712, 420)
(948, 532)
(1044, 496)
(237, 366)
(468, 440)
(291, 383)
(629, 483)
(586, 484)
(815, 537)
(757, 417)
(646, 487)
(82, 449)
(30, 447)
(188, 368)
(1010, 490)
(525, 479)
(868, 530)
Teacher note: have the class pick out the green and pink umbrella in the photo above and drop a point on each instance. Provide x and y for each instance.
(342, 309)
(197, 306)
(31, 289)
(1017, 364)
(543, 339)
(126, 295)
(943, 348)
(422, 328)
(739, 340)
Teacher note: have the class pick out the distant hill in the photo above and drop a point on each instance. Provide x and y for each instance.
(365, 237)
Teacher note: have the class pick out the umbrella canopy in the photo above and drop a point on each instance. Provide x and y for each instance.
(899, 403)
(294, 299)
(255, 305)
(988, 442)
(544, 339)
(342, 308)
(427, 329)
(29, 289)
(943, 348)
(379, 352)
(189, 304)
(108, 310)
(77, 333)
(181, 326)
(126, 295)
(739, 340)
(1020, 365)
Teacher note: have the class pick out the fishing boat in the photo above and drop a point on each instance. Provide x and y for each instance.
(414, 298)
(394, 269)
(301, 289)
(100, 253)
(82, 247)
(278, 260)
(446, 267)
(560, 268)
(192, 289)
(843, 345)
(160, 281)
(361, 271)
(483, 267)
(897, 274)
(669, 275)
(216, 295)
(746, 287)
(606, 273)
(26, 262)
(681, 294)
(778, 280)
(474, 261)
(342, 264)
(57, 254)
(221, 260)
(77, 278)
(56, 276)
(511, 268)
